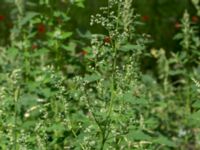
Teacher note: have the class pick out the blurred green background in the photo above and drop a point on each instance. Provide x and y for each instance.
(160, 17)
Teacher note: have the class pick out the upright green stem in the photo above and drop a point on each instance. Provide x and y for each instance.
(74, 133)
(114, 66)
(16, 97)
(106, 132)
(188, 100)
(103, 142)
(113, 80)
(57, 54)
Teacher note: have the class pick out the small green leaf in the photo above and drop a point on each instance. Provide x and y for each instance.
(28, 17)
(70, 47)
(130, 47)
(92, 78)
(66, 35)
(29, 124)
(178, 36)
(79, 3)
(128, 97)
(195, 118)
(196, 104)
(164, 141)
(28, 100)
(12, 52)
(139, 135)
(56, 127)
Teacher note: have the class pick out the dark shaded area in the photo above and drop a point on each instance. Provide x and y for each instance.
(160, 18)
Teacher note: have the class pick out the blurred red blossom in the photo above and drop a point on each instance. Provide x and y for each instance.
(41, 28)
(2, 17)
(195, 19)
(145, 18)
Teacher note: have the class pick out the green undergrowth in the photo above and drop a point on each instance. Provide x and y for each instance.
(66, 89)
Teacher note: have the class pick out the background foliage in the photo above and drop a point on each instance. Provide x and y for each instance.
(91, 74)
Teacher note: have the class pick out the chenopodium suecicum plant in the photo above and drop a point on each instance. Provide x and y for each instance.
(107, 107)
(189, 41)
(185, 64)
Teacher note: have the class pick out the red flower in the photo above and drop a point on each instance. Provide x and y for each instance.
(177, 25)
(145, 18)
(107, 40)
(34, 46)
(84, 52)
(195, 19)
(2, 17)
(41, 28)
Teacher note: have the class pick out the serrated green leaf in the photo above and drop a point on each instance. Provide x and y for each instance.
(164, 141)
(196, 104)
(138, 135)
